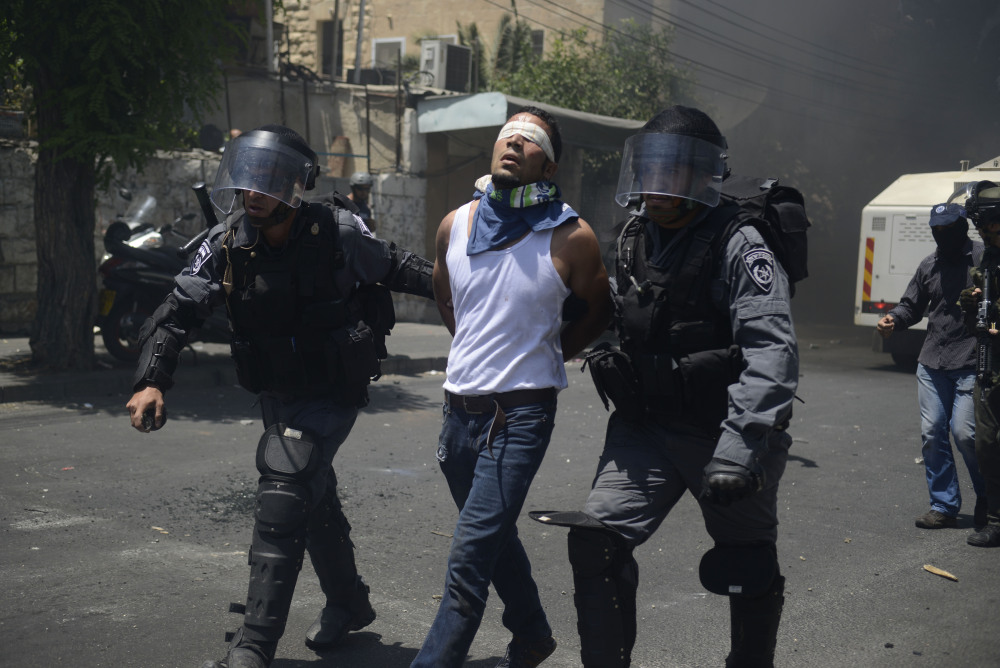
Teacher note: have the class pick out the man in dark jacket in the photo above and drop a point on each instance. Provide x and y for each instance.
(946, 369)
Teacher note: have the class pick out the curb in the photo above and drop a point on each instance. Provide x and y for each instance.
(213, 372)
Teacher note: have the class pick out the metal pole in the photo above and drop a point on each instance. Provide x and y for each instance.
(368, 126)
(334, 70)
(357, 49)
(269, 35)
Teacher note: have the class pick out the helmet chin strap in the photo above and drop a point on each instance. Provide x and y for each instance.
(684, 207)
(277, 216)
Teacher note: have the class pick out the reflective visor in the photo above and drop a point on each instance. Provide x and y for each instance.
(672, 165)
(261, 165)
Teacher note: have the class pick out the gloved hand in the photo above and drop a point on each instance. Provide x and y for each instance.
(968, 299)
(726, 482)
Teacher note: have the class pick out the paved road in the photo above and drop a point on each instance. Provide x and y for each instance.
(121, 549)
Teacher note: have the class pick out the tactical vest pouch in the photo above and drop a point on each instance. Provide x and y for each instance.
(248, 372)
(378, 312)
(352, 352)
(705, 379)
(614, 378)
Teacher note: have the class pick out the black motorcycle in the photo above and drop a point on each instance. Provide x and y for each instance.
(137, 272)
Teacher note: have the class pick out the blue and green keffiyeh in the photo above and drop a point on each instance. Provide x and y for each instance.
(506, 215)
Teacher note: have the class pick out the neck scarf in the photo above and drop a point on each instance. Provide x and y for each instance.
(505, 215)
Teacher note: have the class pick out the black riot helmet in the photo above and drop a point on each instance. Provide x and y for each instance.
(982, 204)
(272, 160)
(680, 153)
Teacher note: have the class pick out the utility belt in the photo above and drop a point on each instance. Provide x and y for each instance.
(340, 364)
(692, 389)
(497, 403)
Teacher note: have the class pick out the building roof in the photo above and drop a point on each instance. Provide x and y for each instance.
(447, 113)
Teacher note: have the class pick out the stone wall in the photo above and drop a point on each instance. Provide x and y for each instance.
(399, 204)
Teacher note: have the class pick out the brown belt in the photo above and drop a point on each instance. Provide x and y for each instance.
(481, 404)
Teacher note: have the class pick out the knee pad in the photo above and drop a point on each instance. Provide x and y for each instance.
(287, 454)
(746, 570)
(593, 551)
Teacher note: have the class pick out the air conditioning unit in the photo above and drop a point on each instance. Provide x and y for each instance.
(450, 65)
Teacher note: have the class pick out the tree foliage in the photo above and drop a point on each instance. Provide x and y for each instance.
(629, 73)
(111, 81)
(509, 50)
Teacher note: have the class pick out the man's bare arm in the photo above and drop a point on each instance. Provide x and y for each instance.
(577, 257)
(440, 277)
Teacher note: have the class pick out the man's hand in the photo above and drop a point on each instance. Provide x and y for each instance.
(146, 409)
(885, 326)
(726, 482)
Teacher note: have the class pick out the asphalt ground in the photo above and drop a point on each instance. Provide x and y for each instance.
(124, 549)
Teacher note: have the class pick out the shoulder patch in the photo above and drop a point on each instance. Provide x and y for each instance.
(759, 263)
(361, 226)
(204, 252)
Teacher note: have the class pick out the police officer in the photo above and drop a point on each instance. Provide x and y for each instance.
(308, 341)
(704, 322)
(983, 208)
(361, 188)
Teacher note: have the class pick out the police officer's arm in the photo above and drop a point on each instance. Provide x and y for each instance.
(373, 260)
(912, 305)
(441, 278)
(197, 289)
(761, 319)
(576, 255)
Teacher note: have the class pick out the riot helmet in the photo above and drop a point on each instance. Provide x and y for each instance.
(272, 160)
(678, 153)
(982, 203)
(361, 180)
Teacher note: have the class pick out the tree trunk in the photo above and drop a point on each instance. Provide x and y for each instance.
(62, 335)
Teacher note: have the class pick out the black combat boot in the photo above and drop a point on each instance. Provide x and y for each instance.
(332, 554)
(245, 654)
(754, 627)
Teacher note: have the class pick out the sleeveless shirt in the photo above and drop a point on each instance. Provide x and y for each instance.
(508, 315)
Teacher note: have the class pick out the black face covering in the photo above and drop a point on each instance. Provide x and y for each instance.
(951, 239)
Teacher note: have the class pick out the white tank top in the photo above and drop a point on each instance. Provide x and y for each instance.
(508, 314)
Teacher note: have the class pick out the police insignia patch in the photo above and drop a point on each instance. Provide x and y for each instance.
(760, 265)
(204, 251)
(361, 226)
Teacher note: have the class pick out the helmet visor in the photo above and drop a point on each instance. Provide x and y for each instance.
(262, 165)
(673, 165)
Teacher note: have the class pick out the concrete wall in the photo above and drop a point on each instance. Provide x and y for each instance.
(399, 204)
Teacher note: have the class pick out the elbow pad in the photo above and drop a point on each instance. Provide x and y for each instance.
(159, 349)
(411, 273)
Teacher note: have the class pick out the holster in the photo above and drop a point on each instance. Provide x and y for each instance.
(614, 378)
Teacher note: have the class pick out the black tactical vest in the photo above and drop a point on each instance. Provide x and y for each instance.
(290, 322)
(674, 323)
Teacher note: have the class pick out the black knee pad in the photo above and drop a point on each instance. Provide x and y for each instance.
(286, 453)
(746, 571)
(593, 551)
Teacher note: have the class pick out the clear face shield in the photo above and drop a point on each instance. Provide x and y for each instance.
(263, 165)
(671, 165)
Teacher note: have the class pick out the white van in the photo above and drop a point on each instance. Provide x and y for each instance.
(895, 237)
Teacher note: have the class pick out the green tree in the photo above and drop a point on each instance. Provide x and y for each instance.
(509, 51)
(628, 73)
(112, 81)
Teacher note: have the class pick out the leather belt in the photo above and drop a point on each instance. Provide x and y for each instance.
(482, 404)
(478, 404)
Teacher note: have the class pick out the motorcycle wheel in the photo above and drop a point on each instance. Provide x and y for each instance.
(120, 330)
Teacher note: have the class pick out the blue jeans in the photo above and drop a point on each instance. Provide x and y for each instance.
(489, 490)
(947, 408)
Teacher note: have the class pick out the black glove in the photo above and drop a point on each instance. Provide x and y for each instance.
(968, 301)
(726, 482)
